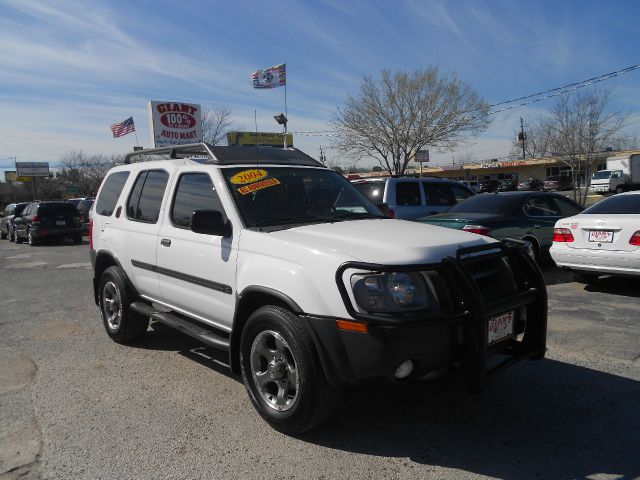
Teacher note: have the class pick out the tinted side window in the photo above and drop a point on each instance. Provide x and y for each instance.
(372, 190)
(110, 192)
(460, 193)
(541, 207)
(567, 208)
(146, 197)
(408, 193)
(194, 192)
(438, 194)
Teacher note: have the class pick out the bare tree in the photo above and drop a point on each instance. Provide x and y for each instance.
(404, 112)
(215, 123)
(85, 171)
(580, 125)
(537, 142)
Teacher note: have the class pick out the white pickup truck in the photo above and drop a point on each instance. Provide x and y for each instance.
(266, 254)
(622, 174)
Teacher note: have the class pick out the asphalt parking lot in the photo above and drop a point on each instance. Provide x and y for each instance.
(73, 404)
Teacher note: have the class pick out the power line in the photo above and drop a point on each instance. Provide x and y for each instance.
(550, 93)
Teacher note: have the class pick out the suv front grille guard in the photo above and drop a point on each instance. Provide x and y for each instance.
(468, 307)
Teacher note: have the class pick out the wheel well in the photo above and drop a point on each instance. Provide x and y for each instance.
(248, 303)
(105, 260)
(535, 244)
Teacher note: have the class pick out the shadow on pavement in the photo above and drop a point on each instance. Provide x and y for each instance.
(625, 286)
(554, 275)
(538, 420)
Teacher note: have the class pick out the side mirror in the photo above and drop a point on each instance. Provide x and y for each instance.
(210, 222)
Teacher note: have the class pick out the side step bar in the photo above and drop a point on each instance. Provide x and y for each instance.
(188, 327)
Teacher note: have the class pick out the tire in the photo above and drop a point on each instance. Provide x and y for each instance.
(122, 324)
(294, 396)
(12, 235)
(582, 277)
(30, 240)
(535, 248)
(619, 189)
(17, 237)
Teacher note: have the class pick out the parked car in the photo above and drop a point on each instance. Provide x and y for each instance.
(83, 207)
(488, 185)
(525, 216)
(409, 198)
(532, 184)
(303, 282)
(603, 239)
(6, 223)
(48, 221)
(508, 185)
(558, 182)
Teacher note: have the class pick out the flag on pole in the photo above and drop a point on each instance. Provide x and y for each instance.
(123, 128)
(271, 77)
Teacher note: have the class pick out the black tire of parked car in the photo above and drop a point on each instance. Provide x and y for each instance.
(3, 235)
(122, 324)
(314, 400)
(30, 240)
(17, 237)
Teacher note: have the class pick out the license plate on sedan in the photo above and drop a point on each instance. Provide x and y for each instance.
(60, 222)
(500, 327)
(602, 236)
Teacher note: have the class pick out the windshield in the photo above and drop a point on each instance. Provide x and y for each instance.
(286, 196)
(602, 175)
(488, 203)
(616, 205)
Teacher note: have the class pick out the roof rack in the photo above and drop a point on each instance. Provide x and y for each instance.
(225, 155)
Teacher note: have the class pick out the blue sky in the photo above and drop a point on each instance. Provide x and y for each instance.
(69, 69)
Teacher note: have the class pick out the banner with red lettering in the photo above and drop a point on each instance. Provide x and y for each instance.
(174, 123)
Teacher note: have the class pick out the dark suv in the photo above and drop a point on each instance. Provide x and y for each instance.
(48, 220)
(83, 207)
(6, 223)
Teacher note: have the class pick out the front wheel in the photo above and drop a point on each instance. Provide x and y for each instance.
(282, 373)
(619, 189)
(122, 324)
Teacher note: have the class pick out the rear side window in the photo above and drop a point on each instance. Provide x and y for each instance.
(146, 197)
(567, 208)
(195, 192)
(438, 194)
(374, 191)
(110, 192)
(408, 194)
(460, 193)
(541, 207)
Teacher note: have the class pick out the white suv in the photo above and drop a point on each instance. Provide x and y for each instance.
(270, 256)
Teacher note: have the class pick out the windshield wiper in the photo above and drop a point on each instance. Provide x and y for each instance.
(290, 220)
(346, 215)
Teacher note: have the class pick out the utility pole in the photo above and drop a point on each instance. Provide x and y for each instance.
(522, 137)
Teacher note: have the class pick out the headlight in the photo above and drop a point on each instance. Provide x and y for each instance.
(402, 290)
(390, 292)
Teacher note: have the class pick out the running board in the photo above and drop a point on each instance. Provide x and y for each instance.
(184, 325)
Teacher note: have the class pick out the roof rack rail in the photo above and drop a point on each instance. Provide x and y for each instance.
(226, 155)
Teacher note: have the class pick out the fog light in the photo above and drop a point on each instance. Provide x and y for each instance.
(404, 370)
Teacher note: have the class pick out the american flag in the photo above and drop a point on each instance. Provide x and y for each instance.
(271, 77)
(123, 128)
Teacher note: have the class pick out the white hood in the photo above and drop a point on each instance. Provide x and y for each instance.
(381, 241)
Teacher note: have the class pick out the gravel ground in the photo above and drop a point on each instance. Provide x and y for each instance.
(75, 405)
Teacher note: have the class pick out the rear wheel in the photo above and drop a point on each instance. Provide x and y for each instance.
(282, 373)
(30, 240)
(122, 324)
(619, 189)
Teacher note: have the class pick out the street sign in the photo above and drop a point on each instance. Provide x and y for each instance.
(73, 189)
(32, 169)
(421, 156)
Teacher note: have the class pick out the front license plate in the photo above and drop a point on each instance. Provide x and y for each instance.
(500, 327)
(602, 236)
(60, 222)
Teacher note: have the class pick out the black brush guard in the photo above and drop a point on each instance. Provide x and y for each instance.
(469, 309)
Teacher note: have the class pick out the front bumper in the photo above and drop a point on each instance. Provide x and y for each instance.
(454, 335)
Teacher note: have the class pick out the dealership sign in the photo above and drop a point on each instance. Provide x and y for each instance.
(32, 169)
(174, 123)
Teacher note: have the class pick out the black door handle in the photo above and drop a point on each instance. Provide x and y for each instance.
(165, 242)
